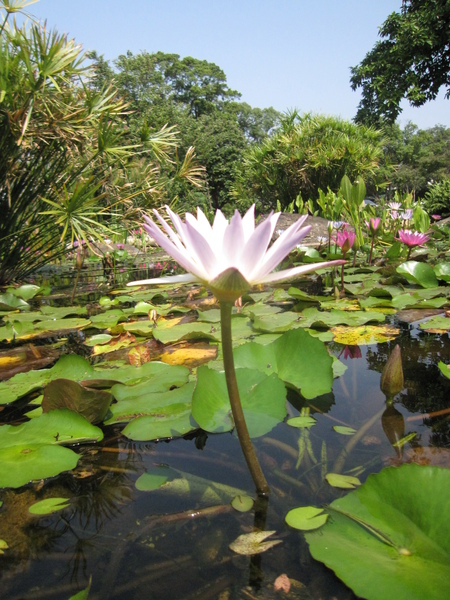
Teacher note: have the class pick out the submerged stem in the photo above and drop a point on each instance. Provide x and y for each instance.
(261, 484)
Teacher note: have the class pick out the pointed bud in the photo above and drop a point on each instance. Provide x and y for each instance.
(392, 376)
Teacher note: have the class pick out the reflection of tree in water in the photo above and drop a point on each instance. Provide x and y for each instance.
(426, 390)
(98, 489)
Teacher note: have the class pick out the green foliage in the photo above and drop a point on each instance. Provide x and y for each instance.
(414, 157)
(306, 154)
(412, 61)
(68, 171)
(389, 538)
(437, 199)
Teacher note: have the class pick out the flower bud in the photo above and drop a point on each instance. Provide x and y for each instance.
(392, 381)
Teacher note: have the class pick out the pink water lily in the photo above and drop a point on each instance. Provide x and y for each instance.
(412, 238)
(228, 257)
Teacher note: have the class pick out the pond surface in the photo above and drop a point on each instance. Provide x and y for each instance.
(163, 545)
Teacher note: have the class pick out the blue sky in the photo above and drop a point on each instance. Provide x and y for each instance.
(281, 53)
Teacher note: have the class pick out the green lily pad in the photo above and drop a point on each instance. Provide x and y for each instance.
(445, 369)
(10, 301)
(306, 518)
(186, 331)
(33, 450)
(312, 317)
(263, 400)
(442, 271)
(26, 292)
(48, 506)
(419, 273)
(390, 538)
(296, 357)
(436, 324)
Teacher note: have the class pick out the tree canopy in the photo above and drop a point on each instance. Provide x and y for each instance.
(412, 61)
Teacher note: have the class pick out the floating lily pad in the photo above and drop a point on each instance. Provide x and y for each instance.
(263, 400)
(33, 450)
(312, 317)
(296, 357)
(390, 538)
(301, 421)
(438, 324)
(419, 273)
(442, 271)
(26, 291)
(9, 301)
(306, 518)
(364, 335)
(186, 331)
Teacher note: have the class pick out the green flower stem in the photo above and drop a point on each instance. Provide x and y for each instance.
(261, 484)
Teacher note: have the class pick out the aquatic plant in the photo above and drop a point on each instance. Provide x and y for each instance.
(229, 258)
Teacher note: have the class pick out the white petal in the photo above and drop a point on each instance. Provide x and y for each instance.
(201, 251)
(256, 247)
(248, 223)
(233, 242)
(179, 253)
(184, 278)
(301, 270)
(280, 249)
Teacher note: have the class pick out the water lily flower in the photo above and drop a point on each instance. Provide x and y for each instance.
(345, 240)
(436, 217)
(407, 214)
(412, 238)
(394, 205)
(228, 257)
(373, 224)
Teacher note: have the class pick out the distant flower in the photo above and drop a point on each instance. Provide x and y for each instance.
(373, 224)
(436, 217)
(394, 205)
(120, 246)
(394, 215)
(407, 214)
(228, 257)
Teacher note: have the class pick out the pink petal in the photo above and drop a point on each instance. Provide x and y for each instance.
(257, 245)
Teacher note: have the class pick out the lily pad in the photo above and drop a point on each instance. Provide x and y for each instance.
(93, 404)
(253, 543)
(419, 273)
(436, 324)
(390, 538)
(442, 271)
(10, 301)
(306, 518)
(242, 503)
(364, 335)
(296, 357)
(263, 400)
(33, 450)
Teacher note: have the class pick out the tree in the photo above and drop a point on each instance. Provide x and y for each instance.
(306, 154)
(67, 169)
(413, 157)
(412, 61)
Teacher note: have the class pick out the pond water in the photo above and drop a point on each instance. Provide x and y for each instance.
(162, 545)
